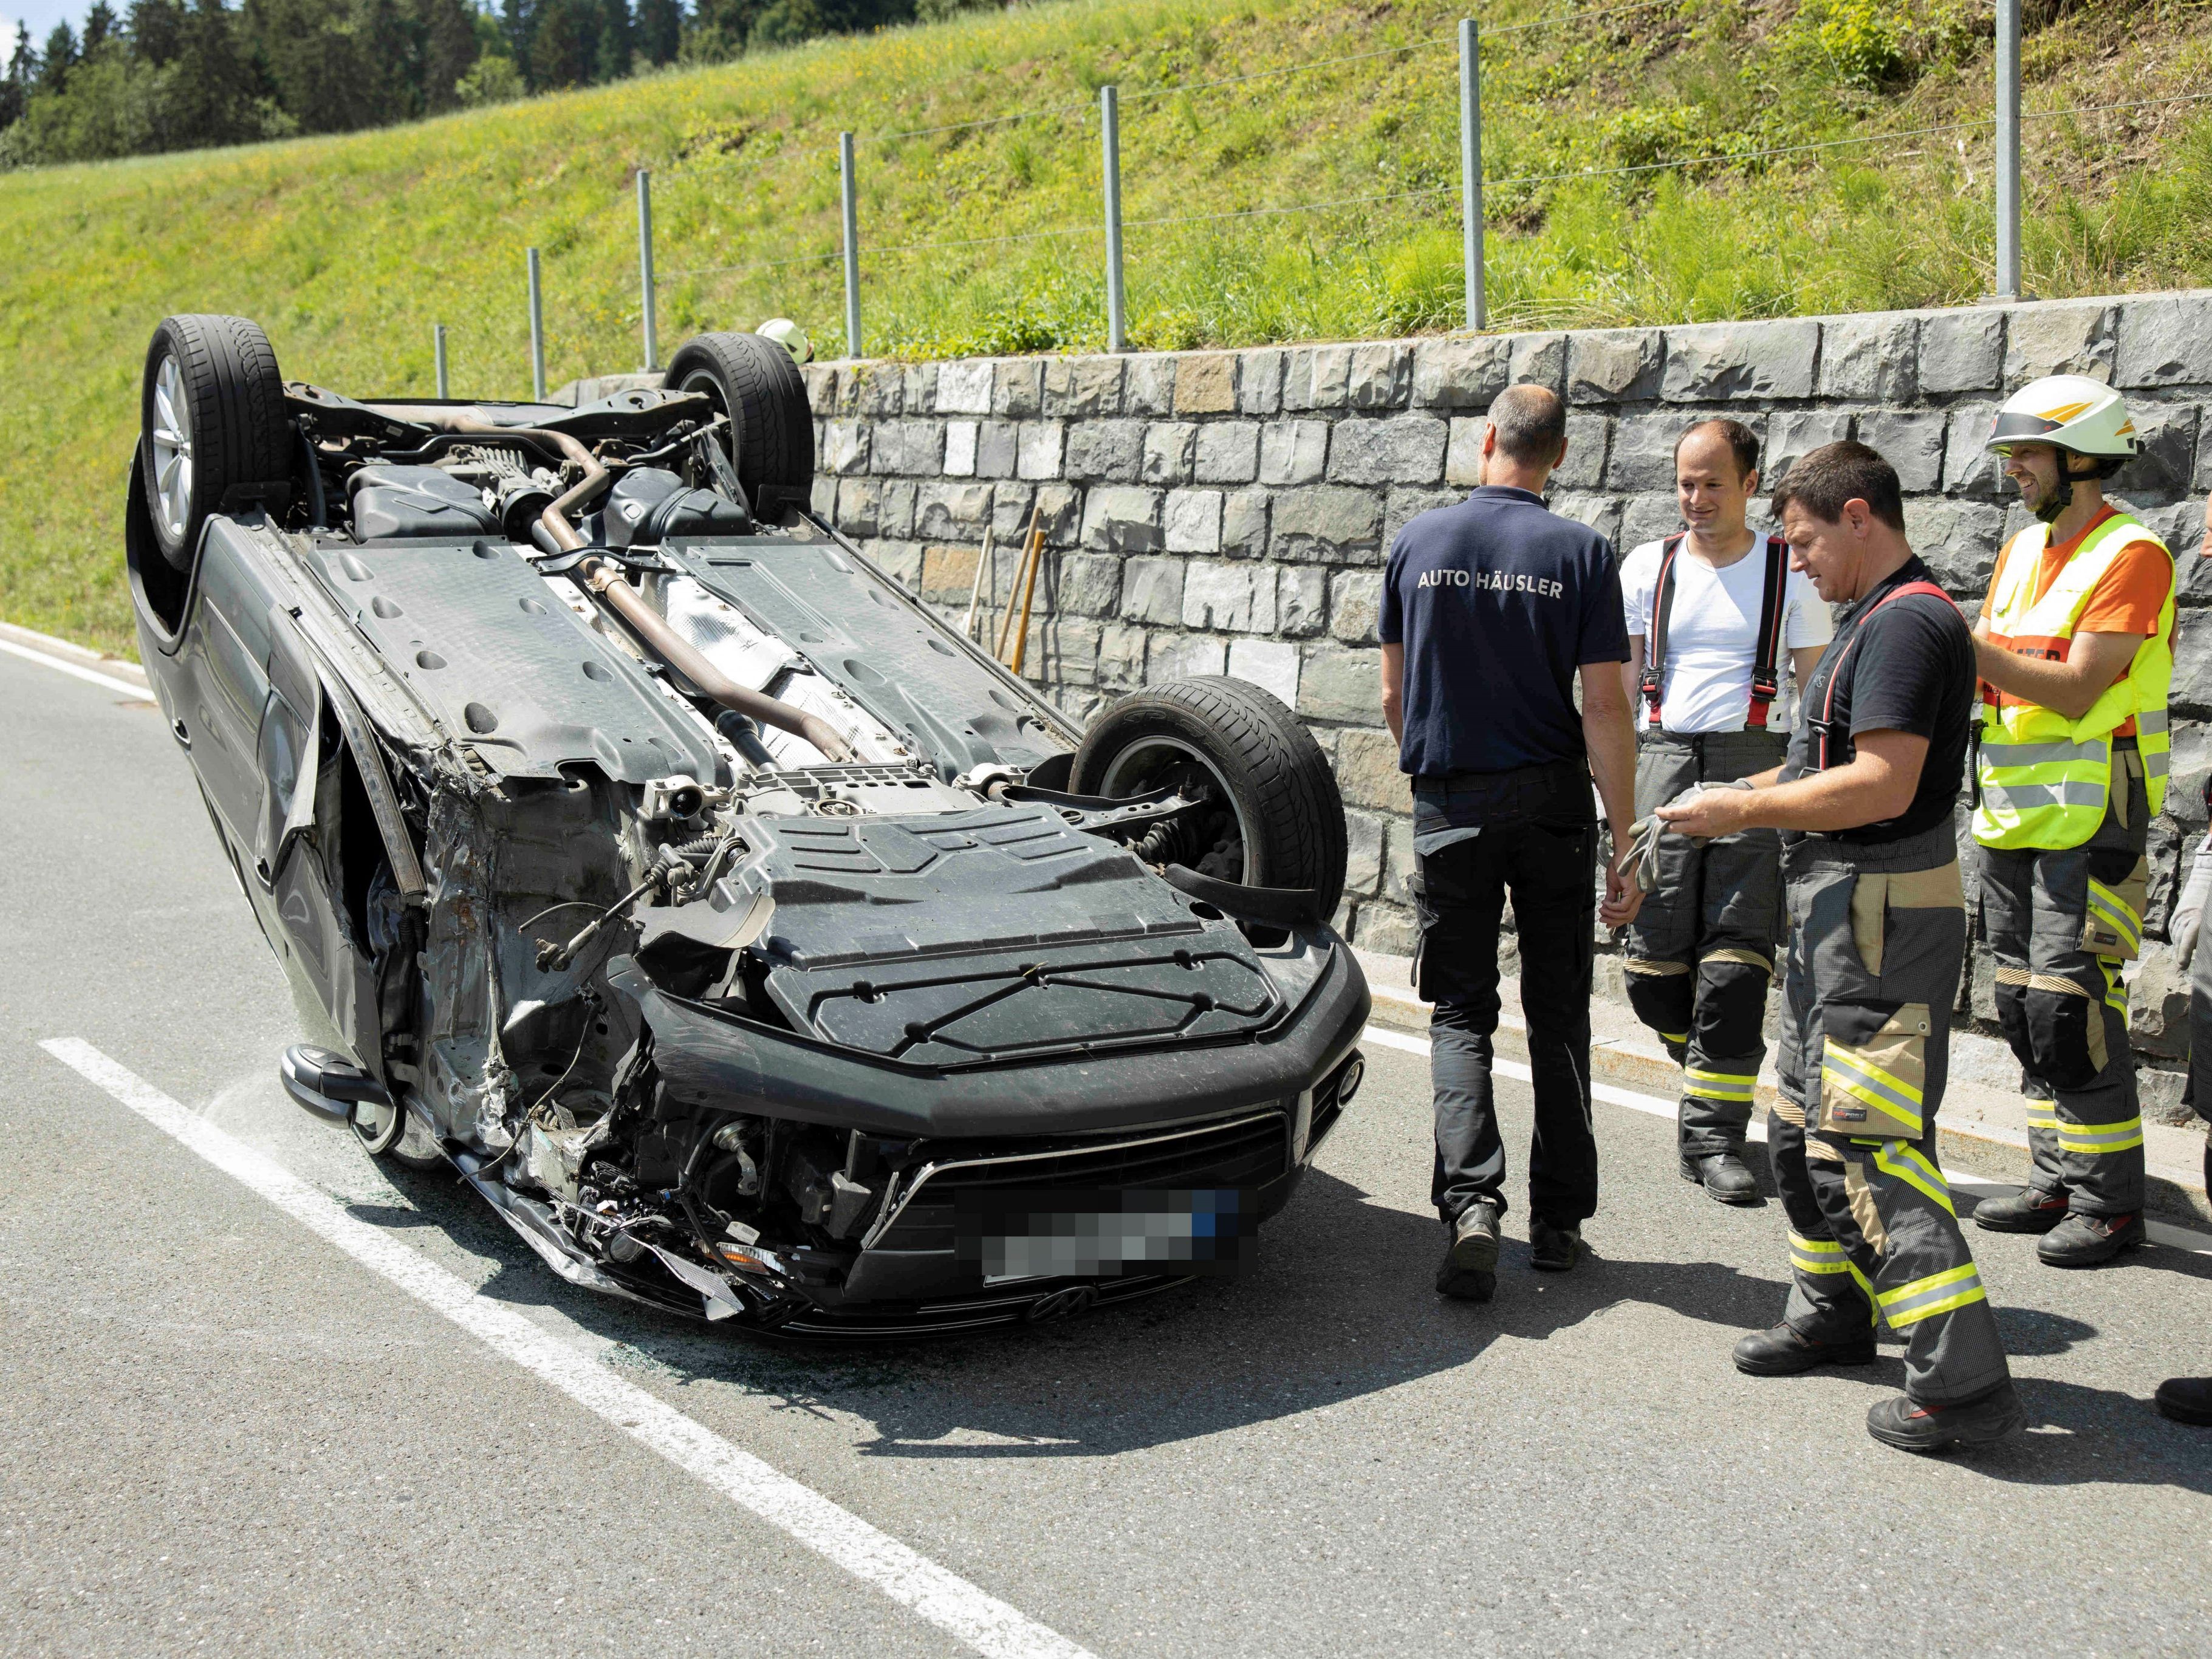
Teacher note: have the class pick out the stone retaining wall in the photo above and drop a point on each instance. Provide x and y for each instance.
(1229, 511)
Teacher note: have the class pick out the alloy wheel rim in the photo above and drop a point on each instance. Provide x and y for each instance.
(172, 449)
(1151, 762)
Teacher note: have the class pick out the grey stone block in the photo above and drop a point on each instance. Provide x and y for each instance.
(1642, 452)
(1353, 596)
(821, 380)
(1227, 452)
(1465, 373)
(2165, 339)
(878, 390)
(1060, 514)
(1108, 452)
(952, 511)
(1271, 665)
(1613, 365)
(1872, 358)
(1009, 516)
(1244, 523)
(1968, 469)
(909, 448)
(1326, 523)
(1293, 452)
(1081, 387)
(1583, 466)
(1329, 369)
(1120, 519)
(2192, 666)
(1018, 387)
(1300, 599)
(1362, 834)
(860, 506)
(1537, 360)
(1792, 433)
(1959, 539)
(1403, 505)
(960, 449)
(1194, 521)
(1715, 362)
(1961, 350)
(1600, 513)
(1912, 441)
(1120, 657)
(844, 447)
(2168, 434)
(1260, 381)
(1205, 383)
(1297, 378)
(1388, 928)
(822, 497)
(2066, 336)
(1087, 584)
(894, 519)
(1379, 376)
(996, 446)
(1175, 656)
(1038, 446)
(1463, 455)
(1648, 519)
(1229, 598)
(963, 387)
(1063, 652)
(1151, 592)
(921, 388)
(1337, 684)
(1168, 446)
(900, 561)
(1148, 385)
(1404, 449)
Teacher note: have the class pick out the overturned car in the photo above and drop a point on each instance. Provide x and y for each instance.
(752, 943)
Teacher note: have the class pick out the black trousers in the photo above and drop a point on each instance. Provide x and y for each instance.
(1530, 835)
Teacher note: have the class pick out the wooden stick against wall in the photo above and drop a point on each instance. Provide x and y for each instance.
(1036, 558)
(1030, 543)
(976, 592)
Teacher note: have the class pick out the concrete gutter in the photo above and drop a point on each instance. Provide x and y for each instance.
(1984, 1121)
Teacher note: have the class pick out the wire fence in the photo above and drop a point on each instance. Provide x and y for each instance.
(2004, 121)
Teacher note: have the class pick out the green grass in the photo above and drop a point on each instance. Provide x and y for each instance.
(347, 249)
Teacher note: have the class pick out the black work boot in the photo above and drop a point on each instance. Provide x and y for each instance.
(1469, 1269)
(1553, 1248)
(2030, 1210)
(2083, 1241)
(1783, 1352)
(1724, 1176)
(2186, 1400)
(1898, 1422)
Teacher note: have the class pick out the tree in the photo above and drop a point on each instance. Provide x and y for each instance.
(611, 60)
(156, 27)
(58, 58)
(98, 27)
(659, 30)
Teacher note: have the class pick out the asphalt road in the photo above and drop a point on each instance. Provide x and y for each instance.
(220, 1432)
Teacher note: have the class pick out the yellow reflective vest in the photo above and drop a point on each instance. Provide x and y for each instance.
(2044, 780)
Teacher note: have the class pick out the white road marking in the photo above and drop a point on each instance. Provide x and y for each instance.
(109, 681)
(945, 1599)
(2165, 1233)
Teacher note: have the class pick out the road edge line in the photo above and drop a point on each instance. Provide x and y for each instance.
(937, 1594)
(76, 670)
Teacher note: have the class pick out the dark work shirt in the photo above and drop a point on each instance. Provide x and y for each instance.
(1913, 672)
(1497, 601)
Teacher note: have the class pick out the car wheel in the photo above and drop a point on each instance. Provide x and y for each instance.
(1275, 817)
(771, 436)
(214, 434)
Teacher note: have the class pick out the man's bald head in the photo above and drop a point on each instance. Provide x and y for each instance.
(1531, 425)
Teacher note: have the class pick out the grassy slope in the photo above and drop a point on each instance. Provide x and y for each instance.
(347, 249)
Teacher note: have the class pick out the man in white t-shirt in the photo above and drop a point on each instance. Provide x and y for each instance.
(1717, 619)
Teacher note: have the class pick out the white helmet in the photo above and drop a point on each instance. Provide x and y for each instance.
(2067, 412)
(789, 335)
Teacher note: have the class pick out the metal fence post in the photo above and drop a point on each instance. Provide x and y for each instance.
(1470, 170)
(848, 192)
(438, 354)
(2007, 143)
(645, 266)
(536, 332)
(1110, 141)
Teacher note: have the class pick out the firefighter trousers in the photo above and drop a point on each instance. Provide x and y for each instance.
(2060, 925)
(1700, 954)
(1877, 935)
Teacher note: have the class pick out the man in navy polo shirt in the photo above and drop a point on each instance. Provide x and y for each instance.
(1491, 610)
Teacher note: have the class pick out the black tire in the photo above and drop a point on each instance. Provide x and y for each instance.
(771, 436)
(1282, 805)
(236, 443)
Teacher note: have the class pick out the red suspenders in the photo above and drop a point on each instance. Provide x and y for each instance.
(1827, 719)
(1765, 667)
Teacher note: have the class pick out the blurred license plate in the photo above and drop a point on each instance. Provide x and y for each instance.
(1060, 1232)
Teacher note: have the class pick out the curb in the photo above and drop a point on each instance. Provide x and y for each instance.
(73, 658)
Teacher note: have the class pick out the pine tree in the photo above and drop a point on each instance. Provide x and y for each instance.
(659, 30)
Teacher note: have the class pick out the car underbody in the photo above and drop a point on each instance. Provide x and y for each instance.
(736, 927)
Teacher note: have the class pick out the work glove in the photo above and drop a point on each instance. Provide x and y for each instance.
(2189, 910)
(1646, 833)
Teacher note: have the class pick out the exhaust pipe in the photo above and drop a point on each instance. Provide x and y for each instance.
(604, 581)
